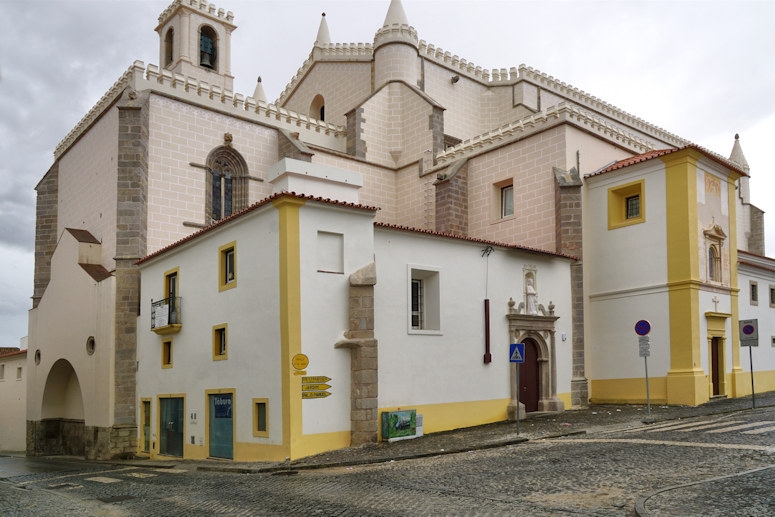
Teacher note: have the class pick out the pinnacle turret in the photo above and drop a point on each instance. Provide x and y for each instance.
(258, 93)
(737, 155)
(323, 37)
(396, 14)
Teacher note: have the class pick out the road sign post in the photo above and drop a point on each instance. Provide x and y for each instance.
(517, 355)
(749, 336)
(642, 329)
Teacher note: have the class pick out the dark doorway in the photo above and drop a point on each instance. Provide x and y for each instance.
(171, 435)
(715, 365)
(528, 377)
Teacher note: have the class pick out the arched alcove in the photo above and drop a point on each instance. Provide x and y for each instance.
(317, 109)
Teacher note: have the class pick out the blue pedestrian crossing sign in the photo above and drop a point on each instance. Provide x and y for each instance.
(517, 353)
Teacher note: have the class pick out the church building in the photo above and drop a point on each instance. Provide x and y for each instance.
(217, 275)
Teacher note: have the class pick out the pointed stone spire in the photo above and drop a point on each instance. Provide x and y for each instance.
(396, 14)
(737, 155)
(323, 38)
(258, 93)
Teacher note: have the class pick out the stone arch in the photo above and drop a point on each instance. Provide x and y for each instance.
(208, 47)
(317, 109)
(226, 183)
(61, 427)
(169, 47)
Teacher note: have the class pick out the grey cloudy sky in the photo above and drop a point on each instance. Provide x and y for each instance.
(702, 70)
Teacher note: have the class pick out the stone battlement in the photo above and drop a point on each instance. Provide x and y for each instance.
(139, 77)
(201, 5)
(470, 70)
(519, 128)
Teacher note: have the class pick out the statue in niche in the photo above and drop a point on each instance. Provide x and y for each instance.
(530, 298)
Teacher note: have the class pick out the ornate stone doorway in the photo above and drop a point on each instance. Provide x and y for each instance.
(537, 332)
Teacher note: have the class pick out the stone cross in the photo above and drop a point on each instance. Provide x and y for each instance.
(715, 301)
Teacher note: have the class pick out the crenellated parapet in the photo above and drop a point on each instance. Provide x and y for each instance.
(139, 77)
(327, 52)
(563, 112)
(199, 5)
(462, 66)
(396, 33)
(579, 96)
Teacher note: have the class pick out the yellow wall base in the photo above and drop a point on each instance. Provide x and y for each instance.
(627, 391)
(687, 387)
(444, 417)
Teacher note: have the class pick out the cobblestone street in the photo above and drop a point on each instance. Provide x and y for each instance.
(670, 467)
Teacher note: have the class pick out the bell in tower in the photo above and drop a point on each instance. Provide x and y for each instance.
(195, 41)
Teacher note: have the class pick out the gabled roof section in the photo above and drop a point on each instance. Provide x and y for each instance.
(252, 208)
(96, 271)
(640, 158)
(83, 236)
(472, 239)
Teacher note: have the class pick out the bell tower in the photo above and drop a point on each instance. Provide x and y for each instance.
(195, 41)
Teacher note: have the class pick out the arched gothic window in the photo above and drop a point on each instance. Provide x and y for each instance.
(208, 45)
(227, 183)
(169, 47)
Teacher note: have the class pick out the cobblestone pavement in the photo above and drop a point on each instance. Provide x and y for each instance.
(601, 462)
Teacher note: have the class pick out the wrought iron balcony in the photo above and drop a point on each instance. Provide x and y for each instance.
(165, 315)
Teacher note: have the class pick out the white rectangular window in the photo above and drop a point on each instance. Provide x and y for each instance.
(2, 372)
(507, 201)
(754, 293)
(330, 252)
(424, 300)
(772, 296)
(19, 373)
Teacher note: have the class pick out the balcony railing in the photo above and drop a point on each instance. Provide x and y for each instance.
(165, 315)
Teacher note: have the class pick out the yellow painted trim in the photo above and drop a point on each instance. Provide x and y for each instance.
(686, 380)
(454, 415)
(166, 364)
(216, 348)
(617, 204)
(206, 421)
(310, 444)
(223, 285)
(628, 391)
(141, 428)
(737, 370)
(245, 451)
(256, 431)
(167, 274)
(288, 209)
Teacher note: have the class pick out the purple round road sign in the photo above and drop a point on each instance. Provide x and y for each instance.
(642, 328)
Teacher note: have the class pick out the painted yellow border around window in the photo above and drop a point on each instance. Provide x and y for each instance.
(141, 429)
(617, 205)
(217, 344)
(256, 430)
(174, 271)
(164, 344)
(223, 285)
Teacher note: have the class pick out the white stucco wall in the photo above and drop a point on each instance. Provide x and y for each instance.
(73, 308)
(13, 401)
(446, 366)
(250, 310)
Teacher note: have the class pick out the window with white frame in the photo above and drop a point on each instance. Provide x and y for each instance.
(754, 293)
(772, 295)
(507, 201)
(424, 300)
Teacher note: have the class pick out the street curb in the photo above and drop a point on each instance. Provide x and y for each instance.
(640, 503)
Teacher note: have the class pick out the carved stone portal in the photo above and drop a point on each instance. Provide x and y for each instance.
(538, 328)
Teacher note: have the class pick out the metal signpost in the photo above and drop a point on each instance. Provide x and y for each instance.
(642, 329)
(517, 355)
(749, 336)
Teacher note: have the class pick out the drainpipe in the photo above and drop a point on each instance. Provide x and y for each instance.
(487, 355)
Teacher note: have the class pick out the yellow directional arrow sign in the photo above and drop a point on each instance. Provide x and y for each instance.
(314, 394)
(315, 379)
(315, 387)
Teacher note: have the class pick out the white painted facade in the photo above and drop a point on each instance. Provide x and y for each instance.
(13, 399)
